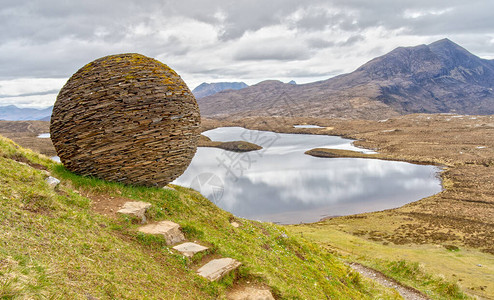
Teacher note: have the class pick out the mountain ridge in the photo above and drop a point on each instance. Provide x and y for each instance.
(207, 89)
(441, 77)
(14, 113)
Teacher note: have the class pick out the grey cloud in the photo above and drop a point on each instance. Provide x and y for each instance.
(319, 20)
(353, 40)
(272, 51)
(45, 21)
(55, 38)
(253, 15)
(238, 16)
(49, 92)
(460, 16)
(319, 43)
(351, 16)
(465, 19)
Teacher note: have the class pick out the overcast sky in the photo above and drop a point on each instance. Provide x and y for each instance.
(42, 43)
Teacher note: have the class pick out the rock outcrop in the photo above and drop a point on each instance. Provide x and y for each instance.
(126, 118)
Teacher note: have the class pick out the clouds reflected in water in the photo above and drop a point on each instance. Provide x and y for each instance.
(284, 185)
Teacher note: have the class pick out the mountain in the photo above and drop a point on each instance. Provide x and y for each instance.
(207, 89)
(441, 77)
(47, 118)
(14, 113)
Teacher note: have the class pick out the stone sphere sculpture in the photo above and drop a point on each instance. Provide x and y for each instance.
(126, 118)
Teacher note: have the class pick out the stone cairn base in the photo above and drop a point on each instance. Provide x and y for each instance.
(126, 118)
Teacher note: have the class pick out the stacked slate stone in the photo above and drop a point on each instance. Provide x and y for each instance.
(126, 118)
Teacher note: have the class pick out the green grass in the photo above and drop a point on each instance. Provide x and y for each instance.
(413, 275)
(435, 270)
(52, 245)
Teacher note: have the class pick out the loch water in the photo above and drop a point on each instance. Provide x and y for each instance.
(281, 184)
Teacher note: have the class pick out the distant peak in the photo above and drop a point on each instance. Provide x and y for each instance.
(202, 85)
(447, 48)
(445, 40)
(206, 84)
(207, 89)
(269, 81)
(444, 43)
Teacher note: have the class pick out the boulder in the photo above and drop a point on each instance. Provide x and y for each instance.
(126, 118)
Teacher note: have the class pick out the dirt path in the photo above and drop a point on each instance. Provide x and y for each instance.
(407, 293)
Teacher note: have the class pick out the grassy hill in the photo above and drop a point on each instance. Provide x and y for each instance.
(68, 242)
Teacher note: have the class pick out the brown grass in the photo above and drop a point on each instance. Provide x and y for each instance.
(25, 133)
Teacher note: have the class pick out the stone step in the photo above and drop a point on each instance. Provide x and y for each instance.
(250, 293)
(135, 209)
(168, 229)
(218, 268)
(189, 249)
(52, 181)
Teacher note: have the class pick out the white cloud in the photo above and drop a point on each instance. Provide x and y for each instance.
(20, 86)
(33, 101)
(417, 13)
(30, 92)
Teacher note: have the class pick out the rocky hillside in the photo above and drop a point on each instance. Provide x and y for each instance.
(207, 89)
(440, 77)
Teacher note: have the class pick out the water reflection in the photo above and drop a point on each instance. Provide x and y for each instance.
(44, 136)
(282, 184)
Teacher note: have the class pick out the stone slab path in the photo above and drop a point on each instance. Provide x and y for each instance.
(168, 229)
(136, 209)
(217, 268)
(214, 270)
(189, 249)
